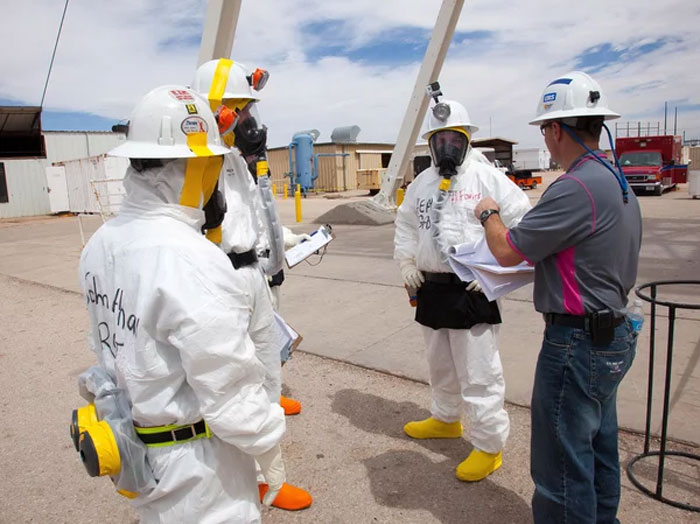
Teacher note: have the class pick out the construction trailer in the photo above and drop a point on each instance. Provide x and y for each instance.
(24, 187)
(534, 159)
(87, 185)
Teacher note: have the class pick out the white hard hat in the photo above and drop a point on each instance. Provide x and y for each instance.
(572, 95)
(171, 122)
(234, 81)
(454, 116)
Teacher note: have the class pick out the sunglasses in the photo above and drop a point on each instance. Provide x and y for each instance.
(545, 126)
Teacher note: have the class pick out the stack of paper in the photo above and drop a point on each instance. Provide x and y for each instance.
(288, 338)
(475, 260)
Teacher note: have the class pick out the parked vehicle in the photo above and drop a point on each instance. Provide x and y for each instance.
(524, 178)
(652, 163)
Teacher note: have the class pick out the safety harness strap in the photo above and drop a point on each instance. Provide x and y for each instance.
(161, 436)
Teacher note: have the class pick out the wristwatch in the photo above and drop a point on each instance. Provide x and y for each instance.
(486, 213)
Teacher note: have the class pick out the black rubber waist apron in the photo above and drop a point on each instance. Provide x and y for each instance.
(444, 302)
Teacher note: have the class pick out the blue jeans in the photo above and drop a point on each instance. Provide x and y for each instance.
(574, 458)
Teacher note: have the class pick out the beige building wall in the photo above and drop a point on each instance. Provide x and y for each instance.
(333, 173)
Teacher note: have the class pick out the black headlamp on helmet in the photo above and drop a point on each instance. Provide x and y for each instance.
(448, 148)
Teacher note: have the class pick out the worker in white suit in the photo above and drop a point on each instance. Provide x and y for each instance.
(459, 324)
(169, 320)
(251, 233)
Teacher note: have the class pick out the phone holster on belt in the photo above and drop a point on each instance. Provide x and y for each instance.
(602, 327)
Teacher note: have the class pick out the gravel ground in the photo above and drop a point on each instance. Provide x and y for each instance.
(346, 447)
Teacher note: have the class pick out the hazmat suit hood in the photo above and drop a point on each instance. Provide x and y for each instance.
(156, 192)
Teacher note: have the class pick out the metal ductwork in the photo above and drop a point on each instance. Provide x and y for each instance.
(345, 135)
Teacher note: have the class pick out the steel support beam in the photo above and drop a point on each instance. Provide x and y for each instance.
(219, 29)
(418, 104)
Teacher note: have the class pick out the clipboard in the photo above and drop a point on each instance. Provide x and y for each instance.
(319, 238)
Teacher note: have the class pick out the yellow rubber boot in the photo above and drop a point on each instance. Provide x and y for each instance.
(289, 497)
(433, 428)
(479, 465)
(290, 406)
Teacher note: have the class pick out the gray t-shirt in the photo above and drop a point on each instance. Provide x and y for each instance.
(583, 240)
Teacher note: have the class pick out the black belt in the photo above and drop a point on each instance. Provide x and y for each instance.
(443, 278)
(174, 435)
(246, 258)
(574, 321)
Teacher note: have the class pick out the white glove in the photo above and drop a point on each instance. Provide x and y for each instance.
(412, 277)
(272, 468)
(291, 240)
(474, 286)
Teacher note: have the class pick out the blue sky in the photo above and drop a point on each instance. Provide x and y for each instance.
(335, 64)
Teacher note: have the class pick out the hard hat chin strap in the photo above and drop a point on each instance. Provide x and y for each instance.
(619, 176)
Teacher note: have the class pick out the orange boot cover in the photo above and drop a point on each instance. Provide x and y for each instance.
(290, 406)
(290, 497)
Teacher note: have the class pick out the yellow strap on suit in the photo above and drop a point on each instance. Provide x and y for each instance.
(201, 176)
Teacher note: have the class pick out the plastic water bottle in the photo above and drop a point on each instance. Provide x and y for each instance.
(412, 295)
(636, 315)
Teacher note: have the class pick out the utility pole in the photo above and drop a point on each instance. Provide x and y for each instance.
(675, 122)
(665, 112)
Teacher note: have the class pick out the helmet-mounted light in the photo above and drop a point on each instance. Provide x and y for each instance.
(258, 79)
(441, 111)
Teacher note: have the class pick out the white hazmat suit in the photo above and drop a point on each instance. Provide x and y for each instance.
(243, 230)
(170, 319)
(465, 367)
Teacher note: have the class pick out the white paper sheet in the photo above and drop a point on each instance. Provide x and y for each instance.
(287, 338)
(302, 251)
(475, 260)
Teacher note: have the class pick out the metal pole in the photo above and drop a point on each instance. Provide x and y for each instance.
(418, 104)
(219, 29)
(667, 394)
(675, 121)
(53, 55)
(650, 383)
(639, 128)
(345, 180)
(665, 113)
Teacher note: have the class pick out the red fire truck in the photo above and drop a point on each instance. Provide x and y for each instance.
(652, 163)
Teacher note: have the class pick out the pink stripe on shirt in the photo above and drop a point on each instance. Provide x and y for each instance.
(573, 302)
(514, 248)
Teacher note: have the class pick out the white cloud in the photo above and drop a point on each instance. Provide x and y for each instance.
(113, 52)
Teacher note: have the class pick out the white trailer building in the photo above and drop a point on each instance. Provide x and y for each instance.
(24, 190)
(535, 159)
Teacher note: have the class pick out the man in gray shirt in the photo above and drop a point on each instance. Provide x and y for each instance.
(584, 238)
